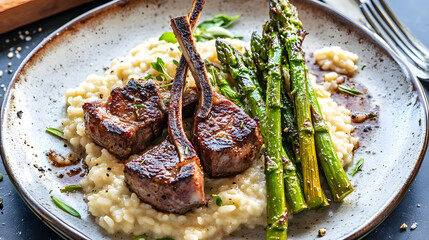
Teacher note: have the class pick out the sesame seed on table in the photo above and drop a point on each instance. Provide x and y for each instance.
(18, 222)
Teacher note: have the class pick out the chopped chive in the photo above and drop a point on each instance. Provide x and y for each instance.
(219, 201)
(71, 188)
(175, 62)
(50, 191)
(178, 47)
(357, 167)
(140, 106)
(55, 132)
(348, 90)
(140, 237)
(293, 92)
(66, 208)
(186, 150)
(363, 67)
(242, 123)
(144, 160)
(166, 101)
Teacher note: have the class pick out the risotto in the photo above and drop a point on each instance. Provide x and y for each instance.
(116, 209)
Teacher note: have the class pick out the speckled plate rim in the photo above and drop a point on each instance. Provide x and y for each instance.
(67, 231)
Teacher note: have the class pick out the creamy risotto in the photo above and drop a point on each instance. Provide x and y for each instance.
(116, 209)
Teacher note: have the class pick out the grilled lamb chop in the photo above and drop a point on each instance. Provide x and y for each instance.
(131, 117)
(226, 138)
(169, 176)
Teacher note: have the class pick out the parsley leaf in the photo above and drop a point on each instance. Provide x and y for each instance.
(219, 201)
(216, 27)
(159, 66)
(168, 37)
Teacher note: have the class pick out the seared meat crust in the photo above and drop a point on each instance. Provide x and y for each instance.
(128, 120)
(225, 137)
(227, 140)
(160, 179)
(131, 117)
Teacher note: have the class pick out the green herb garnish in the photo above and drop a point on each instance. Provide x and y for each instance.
(144, 160)
(168, 37)
(161, 78)
(356, 168)
(66, 208)
(216, 27)
(148, 77)
(363, 67)
(140, 237)
(71, 188)
(219, 201)
(159, 66)
(348, 90)
(166, 85)
(241, 125)
(139, 106)
(166, 101)
(186, 150)
(55, 132)
(175, 62)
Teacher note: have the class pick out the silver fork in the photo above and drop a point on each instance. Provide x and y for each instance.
(397, 36)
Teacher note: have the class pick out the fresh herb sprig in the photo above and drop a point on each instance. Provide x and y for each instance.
(217, 27)
(66, 208)
(158, 65)
(357, 167)
(348, 90)
(219, 201)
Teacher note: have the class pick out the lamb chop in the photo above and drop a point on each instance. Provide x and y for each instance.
(131, 117)
(226, 138)
(169, 176)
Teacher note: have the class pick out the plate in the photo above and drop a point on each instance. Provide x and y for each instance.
(393, 152)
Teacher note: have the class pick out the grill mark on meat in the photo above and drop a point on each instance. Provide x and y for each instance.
(124, 129)
(169, 176)
(225, 137)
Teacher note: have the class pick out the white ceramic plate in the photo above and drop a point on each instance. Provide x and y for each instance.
(393, 152)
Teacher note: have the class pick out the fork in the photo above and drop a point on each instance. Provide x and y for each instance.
(397, 36)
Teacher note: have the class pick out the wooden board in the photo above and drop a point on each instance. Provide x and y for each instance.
(16, 13)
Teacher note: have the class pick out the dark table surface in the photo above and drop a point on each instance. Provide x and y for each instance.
(18, 222)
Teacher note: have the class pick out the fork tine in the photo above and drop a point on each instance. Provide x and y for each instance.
(405, 30)
(374, 23)
(399, 34)
(386, 33)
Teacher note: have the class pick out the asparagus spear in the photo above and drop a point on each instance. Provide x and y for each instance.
(331, 165)
(276, 208)
(223, 85)
(232, 63)
(259, 55)
(291, 33)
